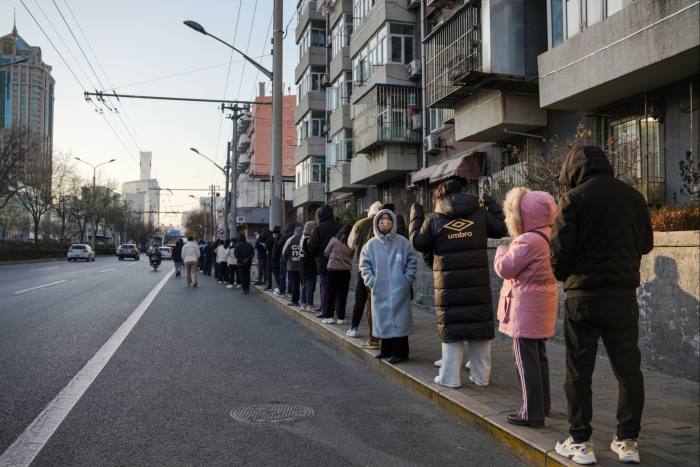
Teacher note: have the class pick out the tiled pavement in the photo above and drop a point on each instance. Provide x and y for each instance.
(670, 426)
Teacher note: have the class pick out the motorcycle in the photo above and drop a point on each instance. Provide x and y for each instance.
(155, 262)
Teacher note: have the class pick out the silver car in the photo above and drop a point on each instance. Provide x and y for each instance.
(166, 252)
(81, 251)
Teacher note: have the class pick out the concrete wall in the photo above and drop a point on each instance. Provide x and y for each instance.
(669, 296)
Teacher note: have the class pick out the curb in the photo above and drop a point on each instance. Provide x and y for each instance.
(456, 403)
(37, 260)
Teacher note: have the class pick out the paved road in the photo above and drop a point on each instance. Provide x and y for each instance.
(165, 396)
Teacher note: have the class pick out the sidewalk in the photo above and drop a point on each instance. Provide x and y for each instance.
(670, 427)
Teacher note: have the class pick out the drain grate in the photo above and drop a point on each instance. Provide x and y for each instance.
(272, 412)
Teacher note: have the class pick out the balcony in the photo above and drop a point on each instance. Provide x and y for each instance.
(484, 44)
(312, 193)
(383, 164)
(644, 46)
(340, 118)
(313, 146)
(444, 3)
(305, 14)
(341, 62)
(314, 55)
(383, 116)
(312, 100)
(339, 179)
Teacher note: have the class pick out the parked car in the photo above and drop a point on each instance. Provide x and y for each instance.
(81, 251)
(128, 250)
(166, 252)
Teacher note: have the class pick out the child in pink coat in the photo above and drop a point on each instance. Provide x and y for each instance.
(527, 306)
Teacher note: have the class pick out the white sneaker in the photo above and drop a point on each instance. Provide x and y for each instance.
(229, 286)
(238, 286)
(327, 321)
(581, 453)
(438, 363)
(439, 381)
(483, 385)
(219, 282)
(466, 365)
(352, 332)
(277, 292)
(340, 321)
(626, 450)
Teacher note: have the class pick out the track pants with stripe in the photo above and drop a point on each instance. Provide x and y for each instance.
(533, 369)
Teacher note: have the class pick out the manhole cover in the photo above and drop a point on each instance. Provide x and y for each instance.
(272, 412)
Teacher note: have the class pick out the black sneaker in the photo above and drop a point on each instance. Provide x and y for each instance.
(319, 315)
(293, 304)
(516, 419)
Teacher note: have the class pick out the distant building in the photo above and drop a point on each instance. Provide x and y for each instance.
(27, 96)
(143, 196)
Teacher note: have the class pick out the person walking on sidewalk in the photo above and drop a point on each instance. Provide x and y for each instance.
(291, 252)
(388, 266)
(339, 256)
(244, 253)
(360, 233)
(190, 255)
(527, 307)
(453, 241)
(601, 231)
(325, 230)
(234, 278)
(177, 257)
(308, 269)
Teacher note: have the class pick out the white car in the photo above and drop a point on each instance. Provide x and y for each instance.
(81, 251)
(166, 252)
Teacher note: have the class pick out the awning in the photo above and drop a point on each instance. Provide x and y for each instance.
(468, 167)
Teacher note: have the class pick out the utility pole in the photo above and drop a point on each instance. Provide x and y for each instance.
(238, 112)
(277, 105)
(227, 197)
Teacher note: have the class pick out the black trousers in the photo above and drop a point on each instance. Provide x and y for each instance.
(232, 273)
(338, 287)
(294, 282)
(223, 271)
(262, 267)
(533, 369)
(208, 263)
(268, 271)
(395, 347)
(361, 296)
(615, 319)
(244, 276)
(276, 275)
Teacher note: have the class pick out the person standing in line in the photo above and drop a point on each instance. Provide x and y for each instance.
(234, 278)
(454, 241)
(388, 266)
(291, 253)
(200, 261)
(361, 232)
(261, 249)
(308, 269)
(221, 256)
(214, 252)
(323, 232)
(269, 246)
(177, 257)
(527, 307)
(190, 255)
(208, 258)
(276, 256)
(601, 231)
(339, 256)
(282, 292)
(244, 252)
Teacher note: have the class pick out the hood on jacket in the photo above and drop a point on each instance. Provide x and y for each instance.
(277, 230)
(374, 208)
(325, 213)
(309, 228)
(297, 231)
(583, 163)
(375, 225)
(528, 210)
(457, 205)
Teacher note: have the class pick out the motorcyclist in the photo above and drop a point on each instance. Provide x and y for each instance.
(155, 254)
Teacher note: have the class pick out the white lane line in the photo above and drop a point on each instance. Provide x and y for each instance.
(36, 435)
(50, 284)
(47, 269)
(107, 270)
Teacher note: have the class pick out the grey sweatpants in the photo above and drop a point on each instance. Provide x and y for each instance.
(533, 369)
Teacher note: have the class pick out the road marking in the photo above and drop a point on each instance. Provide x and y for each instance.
(38, 287)
(46, 269)
(36, 435)
(107, 270)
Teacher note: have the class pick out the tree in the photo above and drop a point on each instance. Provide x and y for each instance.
(197, 224)
(36, 199)
(66, 187)
(16, 147)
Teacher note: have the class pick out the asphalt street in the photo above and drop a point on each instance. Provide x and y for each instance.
(166, 395)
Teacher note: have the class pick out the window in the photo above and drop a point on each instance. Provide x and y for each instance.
(311, 170)
(339, 92)
(312, 125)
(340, 147)
(312, 80)
(360, 10)
(369, 58)
(569, 17)
(340, 34)
(313, 36)
(401, 42)
(438, 117)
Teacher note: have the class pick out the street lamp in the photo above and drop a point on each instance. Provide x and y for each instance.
(225, 171)
(94, 170)
(276, 172)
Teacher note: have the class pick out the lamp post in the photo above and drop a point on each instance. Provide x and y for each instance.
(226, 169)
(276, 175)
(94, 171)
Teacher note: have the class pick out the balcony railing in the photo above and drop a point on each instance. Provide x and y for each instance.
(384, 116)
(453, 52)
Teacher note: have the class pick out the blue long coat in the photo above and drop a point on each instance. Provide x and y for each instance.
(388, 267)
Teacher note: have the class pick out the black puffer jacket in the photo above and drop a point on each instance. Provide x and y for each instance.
(279, 244)
(325, 230)
(602, 228)
(457, 237)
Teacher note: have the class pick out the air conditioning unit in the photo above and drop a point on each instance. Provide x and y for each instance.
(417, 122)
(431, 144)
(414, 69)
(409, 180)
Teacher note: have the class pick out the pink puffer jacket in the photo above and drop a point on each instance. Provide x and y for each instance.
(527, 306)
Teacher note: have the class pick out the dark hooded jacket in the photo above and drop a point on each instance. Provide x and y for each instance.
(177, 251)
(601, 230)
(325, 230)
(279, 245)
(455, 238)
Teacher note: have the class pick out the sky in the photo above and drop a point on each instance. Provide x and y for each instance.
(140, 45)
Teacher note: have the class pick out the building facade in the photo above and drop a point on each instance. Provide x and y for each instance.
(143, 195)
(27, 98)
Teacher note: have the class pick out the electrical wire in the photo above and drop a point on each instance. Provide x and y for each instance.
(247, 49)
(257, 72)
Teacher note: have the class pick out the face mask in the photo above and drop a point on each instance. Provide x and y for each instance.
(385, 225)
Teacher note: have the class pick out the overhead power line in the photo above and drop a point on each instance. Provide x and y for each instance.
(164, 98)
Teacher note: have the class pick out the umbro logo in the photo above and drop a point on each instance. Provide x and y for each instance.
(459, 226)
